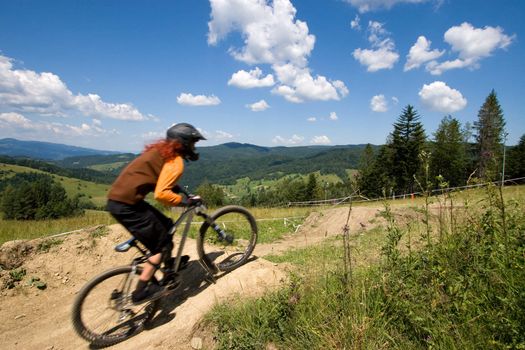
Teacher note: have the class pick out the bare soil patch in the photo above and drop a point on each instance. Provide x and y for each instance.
(41, 319)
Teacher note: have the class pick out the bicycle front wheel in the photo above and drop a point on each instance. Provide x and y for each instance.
(221, 253)
(103, 312)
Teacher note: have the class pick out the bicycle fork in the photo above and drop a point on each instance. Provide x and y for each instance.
(221, 234)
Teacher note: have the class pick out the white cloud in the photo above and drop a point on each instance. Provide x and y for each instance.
(312, 119)
(272, 35)
(294, 140)
(354, 24)
(270, 31)
(378, 103)
(198, 100)
(382, 55)
(420, 53)
(259, 106)
(251, 79)
(18, 124)
(436, 68)
(376, 59)
(217, 135)
(222, 135)
(373, 5)
(439, 97)
(395, 100)
(472, 45)
(46, 94)
(298, 85)
(333, 116)
(320, 140)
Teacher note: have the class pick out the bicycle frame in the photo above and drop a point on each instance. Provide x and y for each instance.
(188, 215)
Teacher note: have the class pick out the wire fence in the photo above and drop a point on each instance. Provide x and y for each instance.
(339, 201)
(361, 199)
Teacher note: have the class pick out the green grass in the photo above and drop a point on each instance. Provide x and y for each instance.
(272, 223)
(11, 229)
(461, 287)
(108, 166)
(94, 192)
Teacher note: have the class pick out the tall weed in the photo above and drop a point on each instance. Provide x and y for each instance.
(462, 288)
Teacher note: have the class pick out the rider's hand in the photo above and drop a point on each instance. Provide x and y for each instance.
(192, 200)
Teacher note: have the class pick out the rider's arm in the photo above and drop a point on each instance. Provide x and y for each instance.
(169, 175)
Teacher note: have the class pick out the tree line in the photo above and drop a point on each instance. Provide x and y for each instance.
(409, 160)
(454, 155)
(77, 173)
(35, 196)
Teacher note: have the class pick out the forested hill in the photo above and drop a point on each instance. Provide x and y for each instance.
(221, 164)
(225, 163)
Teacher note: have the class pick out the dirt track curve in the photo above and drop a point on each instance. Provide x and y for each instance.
(40, 319)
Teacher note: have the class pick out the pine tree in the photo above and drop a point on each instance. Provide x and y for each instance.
(365, 177)
(312, 188)
(448, 156)
(407, 141)
(516, 160)
(490, 129)
(36, 196)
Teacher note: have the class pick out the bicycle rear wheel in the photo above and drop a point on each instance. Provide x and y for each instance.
(103, 312)
(227, 254)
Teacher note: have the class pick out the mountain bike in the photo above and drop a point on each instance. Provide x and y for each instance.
(103, 312)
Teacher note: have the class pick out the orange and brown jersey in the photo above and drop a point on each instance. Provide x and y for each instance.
(149, 172)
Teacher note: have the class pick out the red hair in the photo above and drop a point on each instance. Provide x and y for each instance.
(167, 148)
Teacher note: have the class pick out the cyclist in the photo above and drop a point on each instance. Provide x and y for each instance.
(157, 169)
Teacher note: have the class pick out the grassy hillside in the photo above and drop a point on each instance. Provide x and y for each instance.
(245, 185)
(456, 282)
(219, 166)
(96, 193)
(97, 162)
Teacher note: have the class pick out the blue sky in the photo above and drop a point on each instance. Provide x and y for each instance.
(115, 75)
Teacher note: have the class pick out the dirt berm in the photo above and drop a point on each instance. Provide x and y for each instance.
(33, 318)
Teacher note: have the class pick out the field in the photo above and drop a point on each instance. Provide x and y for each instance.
(246, 185)
(273, 224)
(96, 193)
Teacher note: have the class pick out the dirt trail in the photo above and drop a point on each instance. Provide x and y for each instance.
(40, 319)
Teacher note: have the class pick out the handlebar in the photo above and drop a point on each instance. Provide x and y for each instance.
(177, 189)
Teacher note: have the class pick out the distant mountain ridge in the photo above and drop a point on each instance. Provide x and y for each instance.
(45, 150)
(220, 164)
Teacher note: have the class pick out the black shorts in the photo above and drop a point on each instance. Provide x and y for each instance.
(144, 222)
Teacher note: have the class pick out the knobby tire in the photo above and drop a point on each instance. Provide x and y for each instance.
(84, 318)
(220, 255)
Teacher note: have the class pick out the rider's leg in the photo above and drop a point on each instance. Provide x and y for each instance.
(149, 269)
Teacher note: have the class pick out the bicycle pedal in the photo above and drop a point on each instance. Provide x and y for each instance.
(172, 286)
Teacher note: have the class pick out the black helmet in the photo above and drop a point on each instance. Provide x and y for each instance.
(187, 135)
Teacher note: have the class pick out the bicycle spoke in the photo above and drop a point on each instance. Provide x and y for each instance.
(103, 312)
(239, 227)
